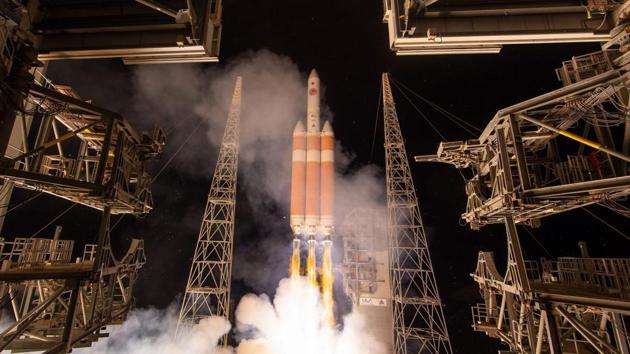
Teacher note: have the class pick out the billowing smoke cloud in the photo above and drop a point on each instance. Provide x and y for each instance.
(180, 98)
(152, 331)
(291, 325)
(288, 325)
(273, 100)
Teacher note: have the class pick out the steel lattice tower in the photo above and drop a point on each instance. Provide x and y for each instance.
(419, 324)
(209, 281)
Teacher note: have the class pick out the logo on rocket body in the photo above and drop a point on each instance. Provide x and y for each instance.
(312, 180)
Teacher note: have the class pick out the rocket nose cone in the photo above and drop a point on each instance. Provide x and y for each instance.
(299, 128)
(313, 74)
(327, 128)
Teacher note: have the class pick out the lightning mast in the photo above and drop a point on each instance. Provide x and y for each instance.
(419, 324)
(208, 290)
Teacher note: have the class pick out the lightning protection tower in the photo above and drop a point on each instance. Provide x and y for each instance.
(208, 290)
(419, 324)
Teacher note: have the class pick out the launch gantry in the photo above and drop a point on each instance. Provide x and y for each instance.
(516, 164)
(61, 303)
(53, 142)
(436, 27)
(521, 173)
(83, 153)
(137, 31)
(419, 323)
(209, 281)
(77, 151)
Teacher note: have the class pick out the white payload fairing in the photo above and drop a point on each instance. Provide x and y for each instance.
(313, 171)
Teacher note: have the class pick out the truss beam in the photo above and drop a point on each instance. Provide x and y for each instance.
(419, 323)
(209, 281)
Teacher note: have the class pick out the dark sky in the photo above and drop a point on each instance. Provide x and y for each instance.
(347, 43)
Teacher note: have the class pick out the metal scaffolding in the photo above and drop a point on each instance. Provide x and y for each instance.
(53, 142)
(560, 151)
(419, 324)
(60, 303)
(571, 305)
(517, 165)
(208, 289)
(432, 27)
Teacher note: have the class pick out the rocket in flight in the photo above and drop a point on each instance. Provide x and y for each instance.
(313, 171)
(312, 194)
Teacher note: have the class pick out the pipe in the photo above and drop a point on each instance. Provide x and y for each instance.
(579, 139)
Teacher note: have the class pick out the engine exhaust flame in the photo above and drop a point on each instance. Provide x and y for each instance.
(328, 280)
(311, 264)
(294, 265)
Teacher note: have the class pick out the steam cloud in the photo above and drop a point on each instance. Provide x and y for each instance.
(289, 325)
(274, 98)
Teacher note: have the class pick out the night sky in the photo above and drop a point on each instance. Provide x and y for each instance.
(347, 43)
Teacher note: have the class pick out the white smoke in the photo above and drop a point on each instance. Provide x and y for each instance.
(291, 325)
(274, 99)
(152, 331)
(6, 320)
(288, 325)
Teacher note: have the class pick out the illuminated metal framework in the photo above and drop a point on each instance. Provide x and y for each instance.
(60, 303)
(138, 31)
(209, 281)
(572, 305)
(419, 324)
(83, 153)
(516, 163)
(51, 141)
(522, 173)
(431, 27)
(91, 156)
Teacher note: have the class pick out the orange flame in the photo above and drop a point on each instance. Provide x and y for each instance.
(328, 280)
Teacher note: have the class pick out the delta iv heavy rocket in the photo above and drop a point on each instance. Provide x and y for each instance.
(313, 171)
(312, 197)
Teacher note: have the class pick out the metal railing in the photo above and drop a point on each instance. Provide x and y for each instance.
(36, 251)
(584, 66)
(608, 275)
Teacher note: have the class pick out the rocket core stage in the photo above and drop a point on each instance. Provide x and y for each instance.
(312, 191)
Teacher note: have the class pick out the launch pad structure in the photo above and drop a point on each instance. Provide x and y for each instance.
(210, 278)
(521, 174)
(365, 269)
(80, 152)
(54, 142)
(438, 27)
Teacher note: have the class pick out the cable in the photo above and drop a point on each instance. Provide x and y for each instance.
(615, 206)
(177, 151)
(378, 108)
(117, 222)
(538, 242)
(22, 203)
(54, 219)
(607, 224)
(448, 115)
(452, 117)
(426, 119)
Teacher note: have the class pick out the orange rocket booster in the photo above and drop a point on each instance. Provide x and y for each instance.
(312, 173)
(298, 178)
